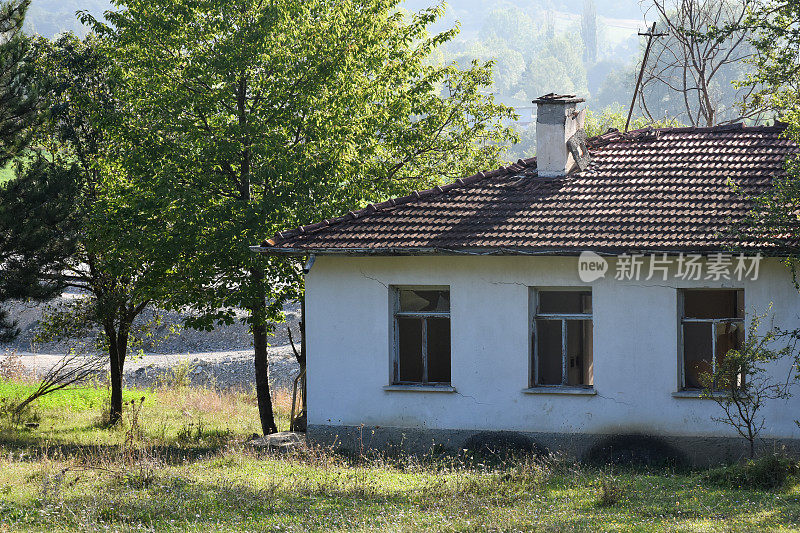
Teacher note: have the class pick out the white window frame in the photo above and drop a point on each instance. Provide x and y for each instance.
(712, 321)
(397, 314)
(533, 375)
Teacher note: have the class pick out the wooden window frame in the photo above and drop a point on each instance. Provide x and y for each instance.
(712, 321)
(533, 375)
(424, 316)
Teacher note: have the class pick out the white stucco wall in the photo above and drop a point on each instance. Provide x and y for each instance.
(635, 348)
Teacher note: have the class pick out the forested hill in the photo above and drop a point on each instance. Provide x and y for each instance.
(49, 17)
(586, 47)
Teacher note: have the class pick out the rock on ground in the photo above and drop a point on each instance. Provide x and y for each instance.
(284, 441)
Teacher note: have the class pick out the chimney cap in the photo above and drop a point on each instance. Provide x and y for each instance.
(554, 98)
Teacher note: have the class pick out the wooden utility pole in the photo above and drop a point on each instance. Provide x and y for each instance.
(649, 34)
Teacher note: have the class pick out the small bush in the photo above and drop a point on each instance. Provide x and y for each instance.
(610, 492)
(11, 367)
(199, 433)
(12, 415)
(768, 472)
(178, 377)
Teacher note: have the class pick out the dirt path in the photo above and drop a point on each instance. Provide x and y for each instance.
(222, 369)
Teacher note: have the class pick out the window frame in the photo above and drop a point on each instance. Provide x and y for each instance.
(533, 374)
(424, 316)
(713, 322)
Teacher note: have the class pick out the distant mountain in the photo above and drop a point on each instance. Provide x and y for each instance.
(50, 17)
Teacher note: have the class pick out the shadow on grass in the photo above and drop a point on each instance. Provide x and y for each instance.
(340, 502)
(168, 498)
(29, 447)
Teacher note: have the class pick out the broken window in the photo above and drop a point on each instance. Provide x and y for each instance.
(422, 336)
(712, 323)
(562, 338)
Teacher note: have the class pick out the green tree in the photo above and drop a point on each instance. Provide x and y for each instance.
(741, 383)
(18, 93)
(557, 67)
(36, 234)
(772, 224)
(775, 36)
(114, 247)
(255, 117)
(27, 252)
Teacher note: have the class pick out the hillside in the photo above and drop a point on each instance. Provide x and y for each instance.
(50, 17)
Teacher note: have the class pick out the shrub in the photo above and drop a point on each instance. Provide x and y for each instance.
(11, 367)
(178, 377)
(610, 492)
(768, 472)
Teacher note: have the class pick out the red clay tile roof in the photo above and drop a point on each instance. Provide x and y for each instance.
(647, 190)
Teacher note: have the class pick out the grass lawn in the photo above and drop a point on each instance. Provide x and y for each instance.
(179, 463)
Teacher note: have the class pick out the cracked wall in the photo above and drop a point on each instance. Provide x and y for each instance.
(635, 349)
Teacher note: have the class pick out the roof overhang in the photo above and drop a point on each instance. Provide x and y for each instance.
(388, 252)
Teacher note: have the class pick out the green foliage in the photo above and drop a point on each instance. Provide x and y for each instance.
(769, 472)
(26, 250)
(37, 233)
(772, 224)
(775, 36)
(113, 244)
(270, 118)
(614, 117)
(19, 95)
(557, 67)
(247, 119)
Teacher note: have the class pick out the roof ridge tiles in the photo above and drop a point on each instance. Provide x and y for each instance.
(613, 135)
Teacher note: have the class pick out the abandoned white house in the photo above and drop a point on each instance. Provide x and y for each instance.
(569, 299)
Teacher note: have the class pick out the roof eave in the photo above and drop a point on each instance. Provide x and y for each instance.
(609, 251)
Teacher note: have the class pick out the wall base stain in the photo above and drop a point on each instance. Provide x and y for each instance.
(653, 450)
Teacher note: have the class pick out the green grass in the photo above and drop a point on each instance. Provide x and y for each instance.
(183, 466)
(71, 399)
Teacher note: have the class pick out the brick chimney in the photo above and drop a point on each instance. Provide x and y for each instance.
(560, 139)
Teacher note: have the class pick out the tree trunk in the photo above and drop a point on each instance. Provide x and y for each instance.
(117, 350)
(261, 357)
(115, 412)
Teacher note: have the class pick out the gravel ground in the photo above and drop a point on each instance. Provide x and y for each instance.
(221, 358)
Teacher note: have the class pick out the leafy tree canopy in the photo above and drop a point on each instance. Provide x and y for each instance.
(255, 117)
(773, 223)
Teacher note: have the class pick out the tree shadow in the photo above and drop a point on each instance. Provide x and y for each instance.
(172, 454)
(497, 208)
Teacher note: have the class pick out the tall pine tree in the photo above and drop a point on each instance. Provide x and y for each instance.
(26, 207)
(18, 94)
